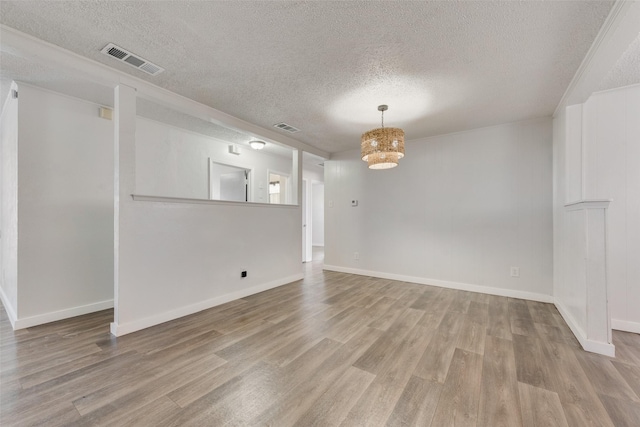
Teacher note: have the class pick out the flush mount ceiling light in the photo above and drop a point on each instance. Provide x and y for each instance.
(257, 145)
(381, 148)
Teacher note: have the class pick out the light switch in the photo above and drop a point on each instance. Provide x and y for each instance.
(354, 203)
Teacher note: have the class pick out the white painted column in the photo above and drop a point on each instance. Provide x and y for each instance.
(296, 176)
(124, 121)
(596, 336)
(574, 187)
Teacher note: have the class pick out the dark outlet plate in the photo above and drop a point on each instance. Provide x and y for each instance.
(243, 274)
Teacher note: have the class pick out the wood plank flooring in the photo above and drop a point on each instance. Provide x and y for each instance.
(331, 350)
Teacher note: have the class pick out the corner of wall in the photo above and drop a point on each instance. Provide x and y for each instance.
(41, 319)
(11, 311)
(587, 344)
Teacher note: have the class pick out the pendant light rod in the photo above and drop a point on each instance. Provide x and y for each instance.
(382, 108)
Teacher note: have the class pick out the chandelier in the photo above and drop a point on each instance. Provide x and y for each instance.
(381, 148)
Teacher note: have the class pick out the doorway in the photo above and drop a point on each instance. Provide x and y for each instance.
(312, 219)
(279, 188)
(227, 182)
(317, 215)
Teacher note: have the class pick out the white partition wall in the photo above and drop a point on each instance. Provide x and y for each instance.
(175, 257)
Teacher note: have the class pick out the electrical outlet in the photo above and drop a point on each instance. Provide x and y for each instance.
(515, 271)
(356, 256)
(244, 273)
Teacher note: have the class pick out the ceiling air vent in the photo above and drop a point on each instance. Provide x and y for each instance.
(286, 127)
(124, 55)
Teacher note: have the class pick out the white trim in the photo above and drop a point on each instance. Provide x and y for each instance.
(625, 325)
(511, 293)
(54, 316)
(587, 204)
(127, 328)
(162, 199)
(11, 311)
(587, 344)
(21, 84)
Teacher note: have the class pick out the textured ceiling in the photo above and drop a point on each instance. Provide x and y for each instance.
(323, 67)
(626, 71)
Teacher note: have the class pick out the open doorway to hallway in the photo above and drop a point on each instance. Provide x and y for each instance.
(312, 205)
(312, 218)
(318, 254)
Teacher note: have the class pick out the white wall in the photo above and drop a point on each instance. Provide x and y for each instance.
(317, 214)
(173, 162)
(612, 166)
(458, 211)
(177, 259)
(9, 206)
(65, 208)
(174, 259)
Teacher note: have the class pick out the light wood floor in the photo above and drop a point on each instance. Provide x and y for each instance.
(334, 349)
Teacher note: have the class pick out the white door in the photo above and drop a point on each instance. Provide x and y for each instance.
(233, 186)
(304, 221)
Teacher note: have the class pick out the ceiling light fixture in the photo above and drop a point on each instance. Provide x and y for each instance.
(381, 148)
(257, 145)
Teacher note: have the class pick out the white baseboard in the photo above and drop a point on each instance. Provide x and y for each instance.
(53, 316)
(625, 325)
(589, 345)
(511, 293)
(11, 311)
(127, 328)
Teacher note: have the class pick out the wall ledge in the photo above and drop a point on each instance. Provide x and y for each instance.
(184, 200)
(54, 316)
(587, 204)
(120, 329)
(511, 293)
(589, 345)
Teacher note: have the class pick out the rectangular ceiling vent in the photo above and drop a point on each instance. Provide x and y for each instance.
(124, 55)
(285, 127)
